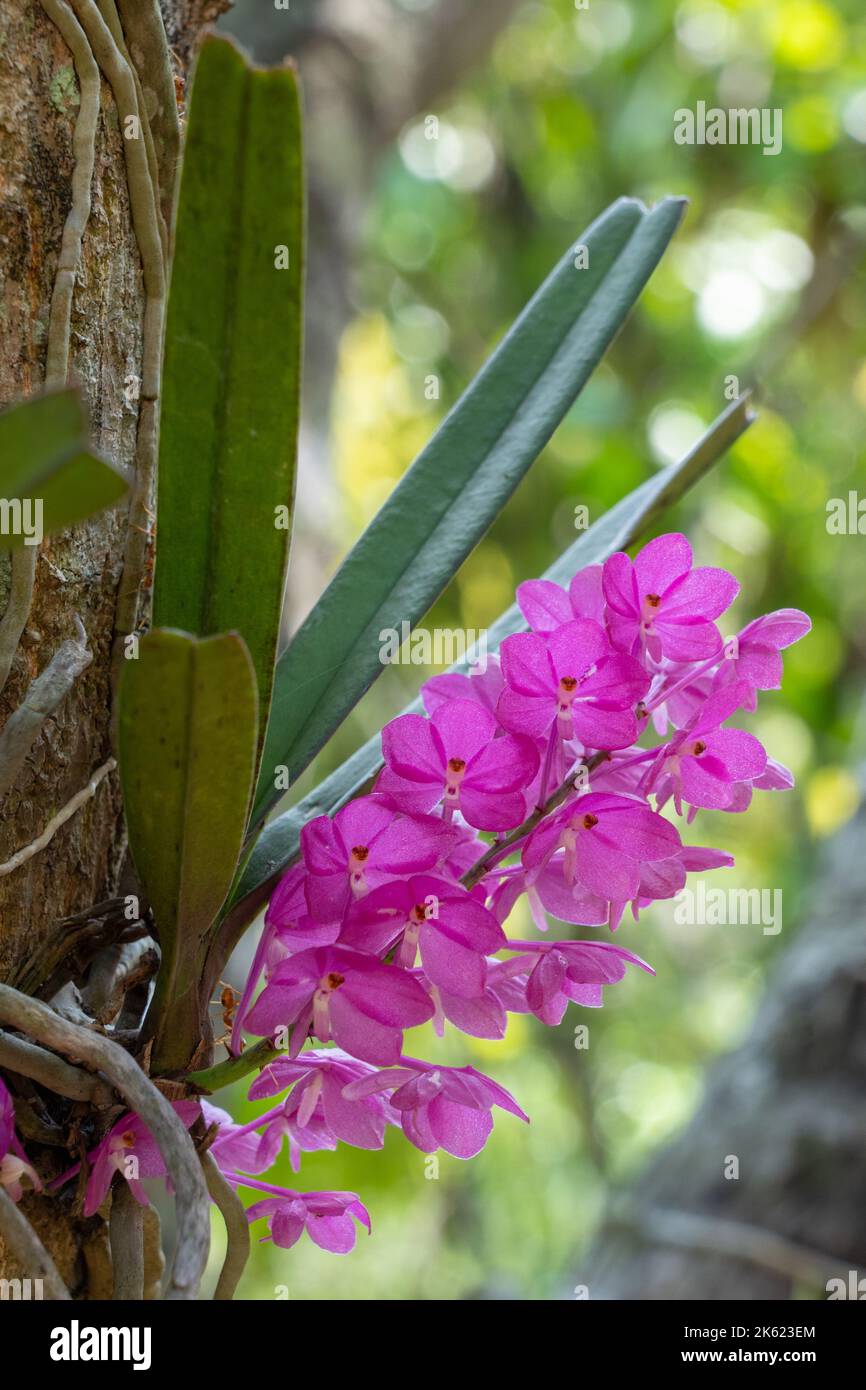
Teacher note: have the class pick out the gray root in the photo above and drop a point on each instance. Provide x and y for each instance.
(33, 1017)
(237, 1229)
(74, 804)
(83, 148)
(108, 9)
(26, 1059)
(14, 620)
(146, 220)
(46, 693)
(148, 49)
(126, 1237)
(154, 1261)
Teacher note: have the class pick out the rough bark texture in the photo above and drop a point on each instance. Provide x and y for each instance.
(80, 570)
(790, 1105)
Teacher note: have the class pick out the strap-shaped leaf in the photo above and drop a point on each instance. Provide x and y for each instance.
(618, 528)
(460, 482)
(187, 730)
(229, 420)
(45, 455)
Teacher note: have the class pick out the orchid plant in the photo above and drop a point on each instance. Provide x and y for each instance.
(566, 770)
(395, 914)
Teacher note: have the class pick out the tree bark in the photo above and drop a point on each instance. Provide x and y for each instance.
(789, 1107)
(77, 572)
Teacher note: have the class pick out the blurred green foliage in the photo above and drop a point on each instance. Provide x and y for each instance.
(765, 282)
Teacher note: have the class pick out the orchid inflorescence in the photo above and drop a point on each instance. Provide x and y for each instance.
(395, 914)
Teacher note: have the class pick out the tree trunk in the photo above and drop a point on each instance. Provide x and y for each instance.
(78, 571)
(764, 1195)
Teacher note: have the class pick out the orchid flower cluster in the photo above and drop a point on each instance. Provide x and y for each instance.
(395, 914)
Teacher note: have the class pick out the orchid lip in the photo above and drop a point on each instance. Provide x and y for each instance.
(409, 945)
(455, 771)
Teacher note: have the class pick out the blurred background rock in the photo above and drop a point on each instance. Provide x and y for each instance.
(421, 253)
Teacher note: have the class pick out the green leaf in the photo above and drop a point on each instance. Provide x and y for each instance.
(229, 421)
(278, 844)
(45, 455)
(459, 483)
(187, 730)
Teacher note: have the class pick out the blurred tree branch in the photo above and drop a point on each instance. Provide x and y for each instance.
(789, 1105)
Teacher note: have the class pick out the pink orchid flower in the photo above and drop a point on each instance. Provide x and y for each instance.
(573, 971)
(342, 995)
(317, 1109)
(605, 839)
(546, 606)
(756, 654)
(660, 605)
(441, 1107)
(234, 1146)
(663, 879)
(703, 762)
(365, 844)
(775, 778)
(325, 1216)
(455, 757)
(130, 1149)
(287, 905)
(453, 931)
(573, 681)
(485, 1015)
(13, 1160)
(484, 687)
